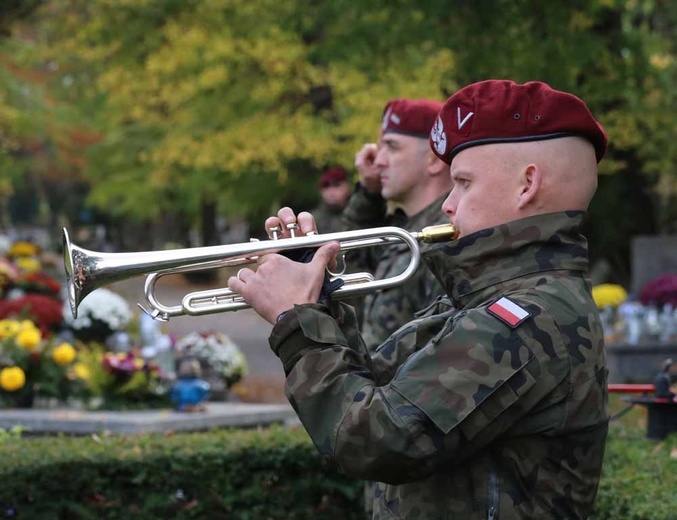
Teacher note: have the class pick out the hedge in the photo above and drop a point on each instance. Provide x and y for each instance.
(268, 474)
(222, 474)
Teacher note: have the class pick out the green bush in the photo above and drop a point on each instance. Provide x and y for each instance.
(237, 474)
(268, 474)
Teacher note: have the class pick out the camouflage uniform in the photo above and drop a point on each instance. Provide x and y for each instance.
(328, 219)
(481, 419)
(385, 311)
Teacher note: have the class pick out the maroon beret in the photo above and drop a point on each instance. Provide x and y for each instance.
(332, 177)
(410, 117)
(501, 111)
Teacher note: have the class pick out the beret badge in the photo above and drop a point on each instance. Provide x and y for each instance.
(438, 136)
(386, 117)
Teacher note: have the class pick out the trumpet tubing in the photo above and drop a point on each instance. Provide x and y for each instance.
(88, 270)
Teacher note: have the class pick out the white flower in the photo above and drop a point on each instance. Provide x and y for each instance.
(218, 350)
(103, 305)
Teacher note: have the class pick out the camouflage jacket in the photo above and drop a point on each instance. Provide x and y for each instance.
(384, 311)
(328, 219)
(471, 415)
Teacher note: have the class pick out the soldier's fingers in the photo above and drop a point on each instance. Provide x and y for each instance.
(366, 155)
(288, 220)
(273, 225)
(306, 223)
(287, 215)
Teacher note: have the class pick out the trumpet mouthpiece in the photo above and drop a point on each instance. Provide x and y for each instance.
(439, 233)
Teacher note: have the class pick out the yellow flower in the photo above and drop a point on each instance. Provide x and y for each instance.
(28, 337)
(23, 249)
(26, 324)
(608, 295)
(82, 371)
(12, 378)
(28, 264)
(8, 328)
(64, 354)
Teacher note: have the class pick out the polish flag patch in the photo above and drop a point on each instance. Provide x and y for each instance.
(508, 311)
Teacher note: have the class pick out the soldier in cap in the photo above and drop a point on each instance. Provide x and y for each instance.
(496, 409)
(401, 183)
(335, 190)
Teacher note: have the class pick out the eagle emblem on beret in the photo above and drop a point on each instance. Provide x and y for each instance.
(438, 136)
(386, 117)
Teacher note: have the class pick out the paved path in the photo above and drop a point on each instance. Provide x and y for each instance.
(265, 381)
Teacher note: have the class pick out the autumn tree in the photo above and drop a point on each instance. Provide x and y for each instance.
(232, 107)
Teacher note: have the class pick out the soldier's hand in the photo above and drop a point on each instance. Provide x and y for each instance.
(280, 283)
(368, 171)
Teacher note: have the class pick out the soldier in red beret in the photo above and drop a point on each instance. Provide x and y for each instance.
(495, 408)
(335, 190)
(402, 172)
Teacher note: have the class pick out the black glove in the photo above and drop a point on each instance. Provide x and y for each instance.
(305, 255)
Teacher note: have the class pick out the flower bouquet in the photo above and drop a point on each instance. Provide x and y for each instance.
(219, 356)
(124, 380)
(32, 366)
(100, 314)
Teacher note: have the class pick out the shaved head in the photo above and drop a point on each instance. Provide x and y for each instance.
(500, 182)
(569, 171)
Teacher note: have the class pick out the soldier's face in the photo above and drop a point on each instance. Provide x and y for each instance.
(485, 189)
(336, 194)
(401, 163)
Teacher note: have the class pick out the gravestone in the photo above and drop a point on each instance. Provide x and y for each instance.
(652, 256)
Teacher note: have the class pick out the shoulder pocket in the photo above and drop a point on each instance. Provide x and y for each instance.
(475, 372)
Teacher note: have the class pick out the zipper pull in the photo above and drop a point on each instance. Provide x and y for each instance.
(492, 513)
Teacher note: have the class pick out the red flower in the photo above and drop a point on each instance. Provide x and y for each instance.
(39, 283)
(46, 312)
(660, 291)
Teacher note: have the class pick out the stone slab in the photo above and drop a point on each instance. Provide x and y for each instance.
(637, 363)
(81, 422)
(652, 256)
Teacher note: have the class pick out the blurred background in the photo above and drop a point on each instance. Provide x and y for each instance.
(147, 124)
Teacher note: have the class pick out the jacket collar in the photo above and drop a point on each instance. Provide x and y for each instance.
(478, 265)
(431, 214)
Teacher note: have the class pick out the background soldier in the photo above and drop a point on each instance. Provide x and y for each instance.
(401, 183)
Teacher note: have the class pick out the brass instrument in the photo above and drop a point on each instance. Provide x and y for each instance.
(89, 270)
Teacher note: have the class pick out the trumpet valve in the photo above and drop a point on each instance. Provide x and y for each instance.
(293, 228)
(274, 232)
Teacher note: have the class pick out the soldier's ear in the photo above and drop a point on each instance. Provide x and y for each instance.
(435, 166)
(531, 178)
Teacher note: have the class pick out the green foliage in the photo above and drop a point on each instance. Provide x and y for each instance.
(274, 473)
(10, 434)
(638, 478)
(242, 103)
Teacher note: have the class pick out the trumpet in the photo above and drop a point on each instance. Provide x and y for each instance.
(88, 270)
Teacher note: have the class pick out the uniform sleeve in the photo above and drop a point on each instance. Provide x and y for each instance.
(469, 384)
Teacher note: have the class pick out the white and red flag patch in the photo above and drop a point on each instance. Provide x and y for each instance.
(508, 311)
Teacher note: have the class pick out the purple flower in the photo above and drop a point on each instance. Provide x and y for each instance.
(660, 291)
